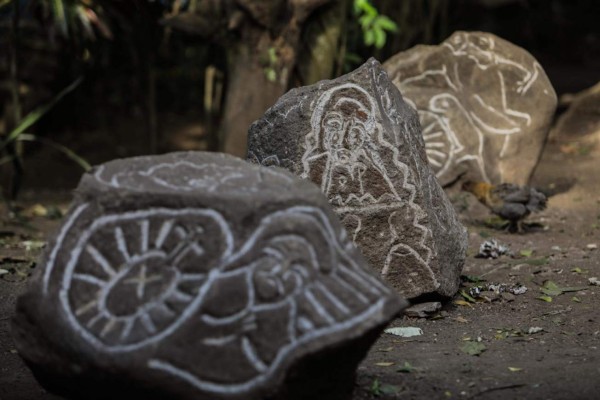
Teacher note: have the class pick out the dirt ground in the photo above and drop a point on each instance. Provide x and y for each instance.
(527, 347)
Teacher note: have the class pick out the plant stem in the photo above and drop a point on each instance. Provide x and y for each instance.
(14, 149)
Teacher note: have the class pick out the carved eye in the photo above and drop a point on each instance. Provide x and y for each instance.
(333, 122)
(355, 136)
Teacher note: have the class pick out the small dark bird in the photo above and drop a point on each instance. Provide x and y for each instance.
(509, 201)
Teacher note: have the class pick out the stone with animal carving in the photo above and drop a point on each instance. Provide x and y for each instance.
(485, 106)
(200, 276)
(361, 143)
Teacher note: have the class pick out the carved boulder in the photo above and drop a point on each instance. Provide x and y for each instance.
(485, 106)
(200, 276)
(358, 140)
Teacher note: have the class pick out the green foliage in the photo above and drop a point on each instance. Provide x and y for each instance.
(272, 59)
(18, 133)
(375, 27)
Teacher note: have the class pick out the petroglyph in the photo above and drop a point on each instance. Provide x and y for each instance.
(247, 286)
(360, 143)
(474, 97)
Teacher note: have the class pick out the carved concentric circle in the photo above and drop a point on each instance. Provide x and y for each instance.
(135, 277)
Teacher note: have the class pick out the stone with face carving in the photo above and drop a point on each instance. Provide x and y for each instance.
(361, 143)
(199, 276)
(485, 106)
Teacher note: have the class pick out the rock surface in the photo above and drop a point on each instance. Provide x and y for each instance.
(485, 106)
(581, 122)
(200, 276)
(361, 143)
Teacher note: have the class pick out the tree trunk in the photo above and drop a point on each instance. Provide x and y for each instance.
(263, 37)
(249, 92)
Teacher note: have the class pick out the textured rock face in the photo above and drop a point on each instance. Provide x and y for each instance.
(581, 121)
(485, 106)
(199, 276)
(361, 143)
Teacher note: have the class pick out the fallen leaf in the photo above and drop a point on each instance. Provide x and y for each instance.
(471, 278)
(461, 319)
(385, 364)
(577, 270)
(576, 299)
(31, 245)
(406, 368)
(4, 271)
(473, 348)
(547, 299)
(515, 369)
(550, 288)
(526, 252)
(533, 261)
(534, 329)
(378, 388)
(37, 210)
(462, 303)
(407, 331)
(467, 296)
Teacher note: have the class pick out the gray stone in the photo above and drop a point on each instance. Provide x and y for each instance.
(423, 310)
(580, 124)
(200, 276)
(485, 106)
(361, 143)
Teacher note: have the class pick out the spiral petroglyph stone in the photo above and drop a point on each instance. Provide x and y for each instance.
(361, 143)
(485, 106)
(200, 276)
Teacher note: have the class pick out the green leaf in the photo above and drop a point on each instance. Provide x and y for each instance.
(577, 270)
(369, 37)
(270, 74)
(364, 6)
(366, 21)
(473, 348)
(60, 15)
(407, 368)
(576, 299)
(379, 37)
(472, 278)
(36, 114)
(386, 23)
(526, 252)
(25, 137)
(467, 296)
(547, 299)
(551, 289)
(533, 261)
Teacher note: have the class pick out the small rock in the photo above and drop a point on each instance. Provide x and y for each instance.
(594, 281)
(507, 296)
(534, 329)
(200, 276)
(423, 310)
(492, 249)
(591, 246)
(556, 248)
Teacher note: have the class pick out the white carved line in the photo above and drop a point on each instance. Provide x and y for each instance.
(233, 388)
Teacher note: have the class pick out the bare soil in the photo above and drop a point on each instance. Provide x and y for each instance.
(559, 361)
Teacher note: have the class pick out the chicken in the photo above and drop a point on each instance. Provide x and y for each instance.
(509, 201)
